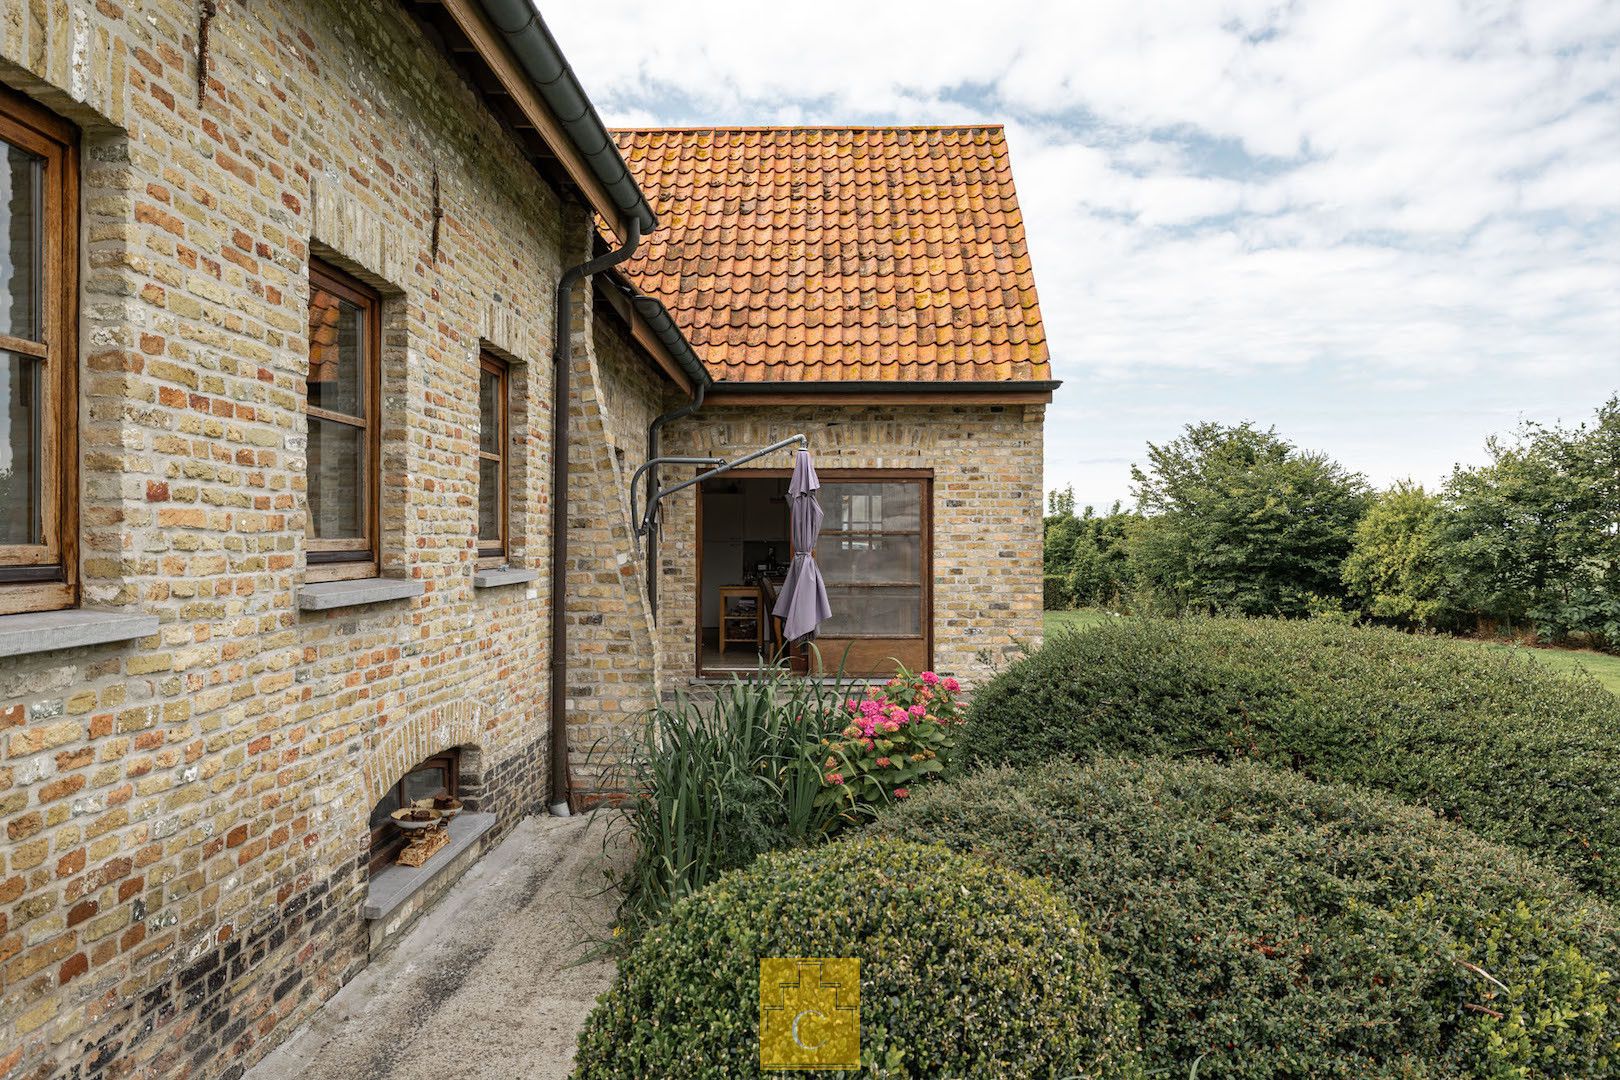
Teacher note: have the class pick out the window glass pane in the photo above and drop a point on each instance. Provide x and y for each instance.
(388, 804)
(489, 500)
(20, 450)
(883, 612)
(337, 341)
(869, 559)
(870, 507)
(337, 480)
(426, 783)
(21, 257)
(489, 412)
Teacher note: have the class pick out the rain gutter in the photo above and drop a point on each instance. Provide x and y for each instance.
(550, 75)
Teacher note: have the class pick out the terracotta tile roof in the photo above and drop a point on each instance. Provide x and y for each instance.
(840, 254)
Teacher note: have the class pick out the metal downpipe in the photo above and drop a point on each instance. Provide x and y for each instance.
(562, 390)
(654, 442)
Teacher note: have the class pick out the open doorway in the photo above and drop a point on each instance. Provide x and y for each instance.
(745, 556)
(875, 553)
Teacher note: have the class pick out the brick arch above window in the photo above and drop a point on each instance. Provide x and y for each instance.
(398, 746)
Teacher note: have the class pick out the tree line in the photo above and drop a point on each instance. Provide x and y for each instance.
(1238, 520)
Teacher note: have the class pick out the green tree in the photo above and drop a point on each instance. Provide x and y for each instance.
(1059, 531)
(1100, 571)
(1397, 567)
(1239, 520)
(1533, 536)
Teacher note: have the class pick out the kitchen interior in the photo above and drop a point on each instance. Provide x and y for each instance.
(745, 558)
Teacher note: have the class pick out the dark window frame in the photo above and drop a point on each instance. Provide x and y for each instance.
(44, 576)
(340, 559)
(495, 551)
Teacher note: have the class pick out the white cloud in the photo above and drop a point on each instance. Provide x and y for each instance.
(1394, 226)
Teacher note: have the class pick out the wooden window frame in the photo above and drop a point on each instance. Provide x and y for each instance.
(924, 478)
(44, 576)
(339, 560)
(495, 553)
(387, 841)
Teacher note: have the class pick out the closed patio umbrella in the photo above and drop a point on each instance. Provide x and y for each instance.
(802, 605)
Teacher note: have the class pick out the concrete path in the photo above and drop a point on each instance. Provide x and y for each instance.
(485, 984)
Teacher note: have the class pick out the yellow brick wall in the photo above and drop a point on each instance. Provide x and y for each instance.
(185, 817)
(986, 462)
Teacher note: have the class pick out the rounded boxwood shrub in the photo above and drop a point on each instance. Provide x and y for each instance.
(966, 970)
(1517, 753)
(1270, 926)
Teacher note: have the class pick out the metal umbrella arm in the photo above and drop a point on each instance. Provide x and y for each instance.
(647, 520)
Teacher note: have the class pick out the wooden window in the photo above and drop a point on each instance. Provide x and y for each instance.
(438, 775)
(875, 555)
(344, 349)
(38, 358)
(493, 489)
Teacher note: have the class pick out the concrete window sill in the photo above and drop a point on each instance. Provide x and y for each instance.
(503, 575)
(396, 884)
(326, 595)
(42, 631)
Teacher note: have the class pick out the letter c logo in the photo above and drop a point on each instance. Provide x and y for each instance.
(800, 1016)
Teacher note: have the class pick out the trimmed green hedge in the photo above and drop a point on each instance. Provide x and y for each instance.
(1513, 751)
(1268, 926)
(966, 970)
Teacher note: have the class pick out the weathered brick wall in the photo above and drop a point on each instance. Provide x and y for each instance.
(987, 506)
(613, 662)
(185, 817)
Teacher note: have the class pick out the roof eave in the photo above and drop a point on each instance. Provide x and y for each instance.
(864, 392)
(513, 40)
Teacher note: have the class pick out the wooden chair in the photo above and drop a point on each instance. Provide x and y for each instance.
(745, 624)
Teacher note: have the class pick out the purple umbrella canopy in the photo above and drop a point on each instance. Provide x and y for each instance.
(802, 604)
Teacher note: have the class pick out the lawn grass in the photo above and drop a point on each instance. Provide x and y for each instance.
(1074, 620)
(1601, 666)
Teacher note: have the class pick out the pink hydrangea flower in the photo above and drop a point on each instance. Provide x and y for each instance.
(918, 711)
(952, 686)
(901, 793)
(930, 679)
(835, 778)
(884, 763)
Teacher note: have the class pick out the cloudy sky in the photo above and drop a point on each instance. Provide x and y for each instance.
(1388, 228)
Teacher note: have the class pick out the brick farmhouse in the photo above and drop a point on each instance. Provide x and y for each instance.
(334, 335)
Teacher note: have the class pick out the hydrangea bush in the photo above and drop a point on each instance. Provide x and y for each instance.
(899, 734)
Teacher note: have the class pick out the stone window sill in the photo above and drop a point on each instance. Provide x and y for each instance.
(497, 576)
(42, 631)
(325, 595)
(396, 884)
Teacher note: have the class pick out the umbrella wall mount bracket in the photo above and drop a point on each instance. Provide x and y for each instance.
(647, 521)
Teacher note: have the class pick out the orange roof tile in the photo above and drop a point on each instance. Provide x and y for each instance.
(840, 254)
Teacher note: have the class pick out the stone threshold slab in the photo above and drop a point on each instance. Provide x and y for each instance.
(396, 884)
